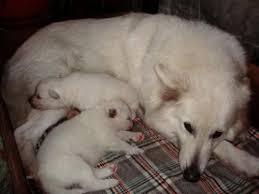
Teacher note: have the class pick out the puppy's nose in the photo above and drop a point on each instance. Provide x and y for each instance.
(30, 100)
(191, 174)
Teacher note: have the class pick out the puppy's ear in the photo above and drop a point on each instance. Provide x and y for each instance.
(112, 112)
(54, 94)
(173, 84)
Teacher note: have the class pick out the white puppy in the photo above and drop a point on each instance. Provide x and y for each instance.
(190, 75)
(82, 90)
(71, 150)
(55, 95)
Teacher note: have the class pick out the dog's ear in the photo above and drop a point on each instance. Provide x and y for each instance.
(54, 94)
(173, 84)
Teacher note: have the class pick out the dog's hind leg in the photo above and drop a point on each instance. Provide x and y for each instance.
(239, 159)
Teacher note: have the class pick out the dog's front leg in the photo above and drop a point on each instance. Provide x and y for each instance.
(239, 159)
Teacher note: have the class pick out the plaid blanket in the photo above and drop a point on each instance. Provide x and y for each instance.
(158, 171)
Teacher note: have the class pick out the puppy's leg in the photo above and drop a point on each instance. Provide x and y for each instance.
(38, 122)
(105, 171)
(28, 134)
(135, 136)
(241, 160)
(55, 178)
(238, 130)
(119, 145)
(46, 119)
(53, 188)
(99, 184)
(32, 117)
(88, 179)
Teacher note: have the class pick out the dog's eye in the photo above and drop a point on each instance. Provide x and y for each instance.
(188, 127)
(216, 135)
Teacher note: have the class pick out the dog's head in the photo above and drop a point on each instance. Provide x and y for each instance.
(48, 95)
(198, 112)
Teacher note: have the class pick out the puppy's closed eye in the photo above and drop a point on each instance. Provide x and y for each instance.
(112, 113)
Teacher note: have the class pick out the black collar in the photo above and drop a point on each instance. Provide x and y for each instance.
(46, 132)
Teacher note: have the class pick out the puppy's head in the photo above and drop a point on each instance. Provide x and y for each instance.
(47, 95)
(118, 114)
(198, 113)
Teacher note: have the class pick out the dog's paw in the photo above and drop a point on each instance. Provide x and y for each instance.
(134, 150)
(138, 137)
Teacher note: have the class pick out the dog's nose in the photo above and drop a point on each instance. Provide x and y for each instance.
(191, 174)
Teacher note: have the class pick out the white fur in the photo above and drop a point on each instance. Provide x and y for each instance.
(70, 152)
(83, 90)
(203, 65)
(54, 95)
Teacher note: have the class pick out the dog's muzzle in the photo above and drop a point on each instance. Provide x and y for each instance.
(192, 173)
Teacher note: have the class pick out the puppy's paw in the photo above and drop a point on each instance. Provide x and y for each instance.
(113, 167)
(138, 109)
(248, 166)
(252, 169)
(134, 150)
(138, 137)
(112, 182)
(106, 171)
(72, 113)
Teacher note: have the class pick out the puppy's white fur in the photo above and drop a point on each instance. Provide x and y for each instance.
(53, 95)
(83, 90)
(184, 71)
(70, 152)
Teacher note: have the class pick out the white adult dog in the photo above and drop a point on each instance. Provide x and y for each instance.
(55, 96)
(191, 76)
(72, 149)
